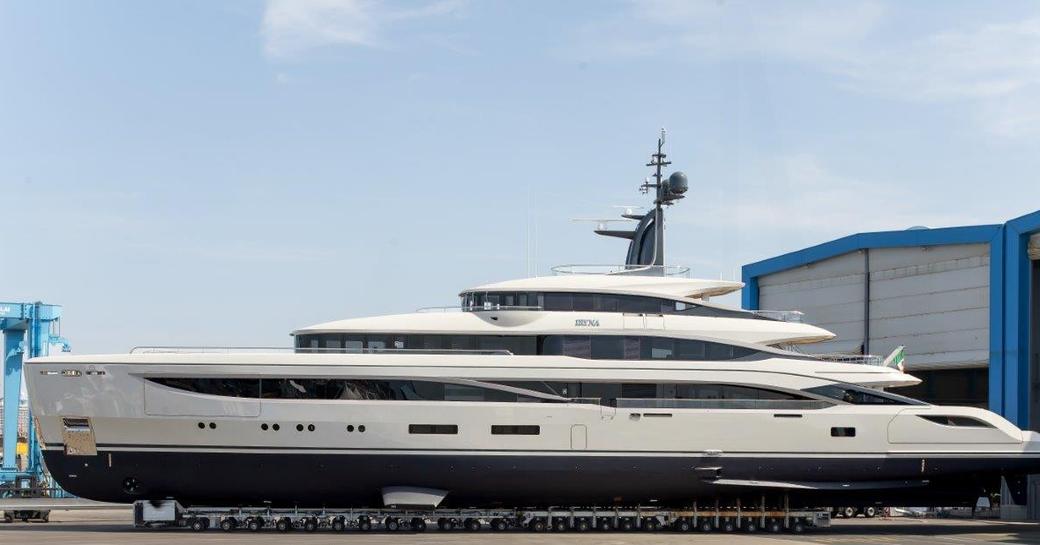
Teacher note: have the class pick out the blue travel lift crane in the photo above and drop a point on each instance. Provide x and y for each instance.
(29, 330)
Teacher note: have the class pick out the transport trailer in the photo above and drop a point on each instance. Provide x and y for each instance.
(761, 517)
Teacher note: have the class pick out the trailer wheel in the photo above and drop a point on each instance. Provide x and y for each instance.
(338, 524)
(443, 524)
(582, 525)
(253, 524)
(728, 525)
(774, 526)
(418, 524)
(198, 524)
(391, 524)
(499, 525)
(559, 524)
(626, 524)
(537, 525)
(364, 524)
(228, 524)
(798, 526)
(651, 524)
(848, 512)
(283, 525)
(310, 525)
(706, 526)
(870, 511)
(682, 525)
(750, 526)
(473, 525)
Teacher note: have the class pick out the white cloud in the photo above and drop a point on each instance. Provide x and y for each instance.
(291, 27)
(992, 66)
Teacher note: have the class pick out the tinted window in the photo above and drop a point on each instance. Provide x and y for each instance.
(957, 421)
(639, 390)
(688, 349)
(562, 389)
(582, 301)
(608, 347)
(434, 429)
(605, 303)
(728, 391)
(515, 430)
(601, 390)
(843, 432)
(228, 387)
(578, 346)
(861, 396)
(559, 301)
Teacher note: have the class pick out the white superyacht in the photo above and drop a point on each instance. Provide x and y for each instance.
(628, 387)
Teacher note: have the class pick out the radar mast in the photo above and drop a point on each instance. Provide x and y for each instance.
(646, 248)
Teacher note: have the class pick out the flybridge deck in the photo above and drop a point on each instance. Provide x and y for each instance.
(703, 518)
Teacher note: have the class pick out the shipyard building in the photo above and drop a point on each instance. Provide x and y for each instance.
(964, 301)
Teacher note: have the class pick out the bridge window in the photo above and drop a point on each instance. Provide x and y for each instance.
(595, 302)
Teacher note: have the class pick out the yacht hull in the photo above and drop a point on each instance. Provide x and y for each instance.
(524, 479)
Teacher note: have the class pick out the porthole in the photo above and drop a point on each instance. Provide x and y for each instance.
(299, 427)
(276, 427)
(202, 425)
(350, 428)
(310, 427)
(361, 428)
(212, 425)
(263, 427)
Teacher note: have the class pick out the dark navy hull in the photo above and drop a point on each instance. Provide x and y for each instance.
(351, 479)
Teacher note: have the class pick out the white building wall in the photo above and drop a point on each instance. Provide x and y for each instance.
(934, 300)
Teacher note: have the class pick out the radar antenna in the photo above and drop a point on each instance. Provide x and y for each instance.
(646, 249)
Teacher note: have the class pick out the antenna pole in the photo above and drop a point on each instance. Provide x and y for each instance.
(657, 160)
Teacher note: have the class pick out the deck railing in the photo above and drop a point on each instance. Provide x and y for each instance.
(636, 270)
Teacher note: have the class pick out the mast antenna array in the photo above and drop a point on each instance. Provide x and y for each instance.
(646, 249)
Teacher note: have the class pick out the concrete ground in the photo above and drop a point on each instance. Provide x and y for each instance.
(113, 527)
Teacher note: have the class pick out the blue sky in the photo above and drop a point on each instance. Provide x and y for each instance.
(223, 172)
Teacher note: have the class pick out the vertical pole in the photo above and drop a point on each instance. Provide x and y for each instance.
(866, 301)
(12, 396)
(38, 344)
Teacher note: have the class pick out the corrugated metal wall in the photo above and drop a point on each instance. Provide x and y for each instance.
(934, 300)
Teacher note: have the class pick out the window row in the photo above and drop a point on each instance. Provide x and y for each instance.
(597, 347)
(452, 429)
(342, 389)
(419, 390)
(593, 302)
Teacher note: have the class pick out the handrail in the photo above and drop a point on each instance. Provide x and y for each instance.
(481, 308)
(794, 316)
(861, 359)
(636, 270)
(308, 350)
(775, 404)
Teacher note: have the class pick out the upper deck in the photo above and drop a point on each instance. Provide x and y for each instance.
(671, 287)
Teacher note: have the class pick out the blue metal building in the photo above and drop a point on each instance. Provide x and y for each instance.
(1007, 299)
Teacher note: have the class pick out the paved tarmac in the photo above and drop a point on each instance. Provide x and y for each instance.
(113, 527)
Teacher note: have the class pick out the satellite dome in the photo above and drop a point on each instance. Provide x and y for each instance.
(677, 183)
